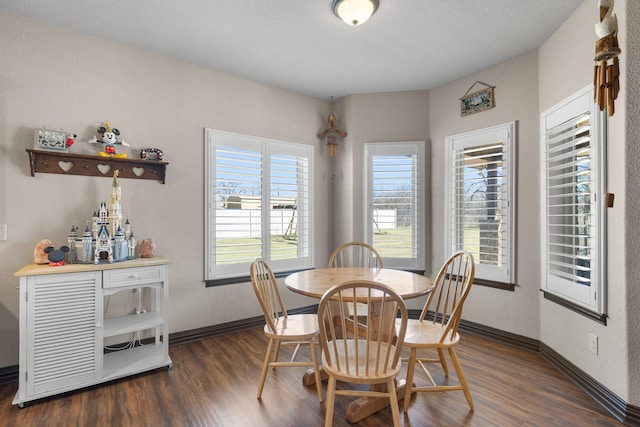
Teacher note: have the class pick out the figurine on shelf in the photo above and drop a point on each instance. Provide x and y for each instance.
(108, 138)
(56, 256)
(71, 138)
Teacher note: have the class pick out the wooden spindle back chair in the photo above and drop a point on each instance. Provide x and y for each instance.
(282, 328)
(363, 349)
(355, 254)
(437, 327)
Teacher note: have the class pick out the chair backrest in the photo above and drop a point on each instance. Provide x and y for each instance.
(355, 254)
(362, 346)
(451, 287)
(266, 290)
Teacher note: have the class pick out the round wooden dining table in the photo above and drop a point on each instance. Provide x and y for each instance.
(314, 283)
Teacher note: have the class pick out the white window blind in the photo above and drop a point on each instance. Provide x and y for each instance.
(568, 196)
(479, 203)
(258, 204)
(395, 202)
(572, 214)
(289, 193)
(238, 183)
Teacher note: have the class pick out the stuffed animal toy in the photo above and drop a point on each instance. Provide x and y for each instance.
(147, 248)
(108, 139)
(56, 256)
(39, 255)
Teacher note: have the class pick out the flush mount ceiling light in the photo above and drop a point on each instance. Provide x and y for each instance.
(354, 12)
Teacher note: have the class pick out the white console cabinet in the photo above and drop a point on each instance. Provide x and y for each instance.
(64, 330)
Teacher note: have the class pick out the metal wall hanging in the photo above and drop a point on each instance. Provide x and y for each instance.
(473, 102)
(331, 134)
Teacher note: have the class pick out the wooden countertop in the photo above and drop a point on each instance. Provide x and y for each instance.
(40, 269)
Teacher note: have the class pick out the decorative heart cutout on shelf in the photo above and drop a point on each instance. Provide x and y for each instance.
(104, 169)
(139, 171)
(65, 166)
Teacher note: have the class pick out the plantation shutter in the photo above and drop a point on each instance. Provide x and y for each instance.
(480, 176)
(238, 183)
(258, 204)
(395, 199)
(568, 200)
(289, 213)
(573, 218)
(479, 200)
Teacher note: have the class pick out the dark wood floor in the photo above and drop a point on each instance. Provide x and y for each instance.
(214, 381)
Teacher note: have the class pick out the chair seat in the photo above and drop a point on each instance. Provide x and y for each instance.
(296, 326)
(427, 334)
(363, 375)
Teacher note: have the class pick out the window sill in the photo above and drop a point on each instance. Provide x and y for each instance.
(280, 274)
(245, 279)
(493, 284)
(600, 318)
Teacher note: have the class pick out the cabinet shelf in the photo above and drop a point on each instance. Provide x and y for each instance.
(134, 360)
(82, 164)
(131, 323)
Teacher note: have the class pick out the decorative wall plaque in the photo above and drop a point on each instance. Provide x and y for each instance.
(474, 102)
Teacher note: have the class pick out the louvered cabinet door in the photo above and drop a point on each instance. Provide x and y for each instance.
(63, 335)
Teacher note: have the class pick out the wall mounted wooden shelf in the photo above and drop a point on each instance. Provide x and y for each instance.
(82, 164)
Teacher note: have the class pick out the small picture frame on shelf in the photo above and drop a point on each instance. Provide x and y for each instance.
(152, 154)
(52, 140)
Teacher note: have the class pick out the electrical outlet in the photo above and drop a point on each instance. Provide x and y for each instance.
(593, 344)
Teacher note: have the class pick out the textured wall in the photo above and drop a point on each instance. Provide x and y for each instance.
(632, 223)
(571, 48)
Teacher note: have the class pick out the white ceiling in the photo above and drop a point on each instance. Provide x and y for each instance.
(300, 45)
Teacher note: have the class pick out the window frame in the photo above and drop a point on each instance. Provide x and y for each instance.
(503, 277)
(592, 302)
(417, 148)
(218, 274)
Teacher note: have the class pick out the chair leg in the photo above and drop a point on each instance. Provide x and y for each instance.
(443, 362)
(331, 397)
(393, 401)
(276, 353)
(265, 366)
(316, 370)
(461, 377)
(411, 367)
